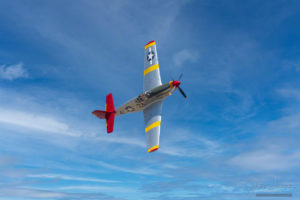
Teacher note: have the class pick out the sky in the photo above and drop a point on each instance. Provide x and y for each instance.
(236, 135)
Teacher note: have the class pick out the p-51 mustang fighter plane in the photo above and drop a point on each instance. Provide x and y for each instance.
(150, 101)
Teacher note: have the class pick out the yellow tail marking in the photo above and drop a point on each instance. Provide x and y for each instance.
(150, 69)
(152, 148)
(151, 126)
(149, 45)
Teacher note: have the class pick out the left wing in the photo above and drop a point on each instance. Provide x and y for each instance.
(151, 67)
(152, 117)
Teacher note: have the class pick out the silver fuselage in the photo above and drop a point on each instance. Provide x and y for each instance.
(145, 99)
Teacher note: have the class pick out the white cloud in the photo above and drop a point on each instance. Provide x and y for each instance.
(289, 93)
(33, 121)
(74, 178)
(266, 159)
(144, 171)
(37, 193)
(289, 124)
(99, 188)
(185, 143)
(29, 193)
(121, 140)
(185, 55)
(6, 160)
(12, 72)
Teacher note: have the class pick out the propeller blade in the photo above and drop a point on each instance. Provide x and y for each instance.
(182, 92)
(172, 78)
(180, 76)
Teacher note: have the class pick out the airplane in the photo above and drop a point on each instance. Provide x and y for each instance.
(150, 101)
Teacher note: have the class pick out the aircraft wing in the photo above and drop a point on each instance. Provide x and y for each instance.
(151, 67)
(152, 117)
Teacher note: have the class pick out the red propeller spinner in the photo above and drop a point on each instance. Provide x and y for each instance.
(176, 83)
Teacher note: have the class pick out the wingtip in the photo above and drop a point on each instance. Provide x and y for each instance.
(150, 42)
(152, 149)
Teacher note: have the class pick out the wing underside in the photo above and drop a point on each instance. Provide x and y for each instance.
(152, 117)
(151, 67)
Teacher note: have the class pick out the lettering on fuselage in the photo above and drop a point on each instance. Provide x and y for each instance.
(145, 99)
(129, 109)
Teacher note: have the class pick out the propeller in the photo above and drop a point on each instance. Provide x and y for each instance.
(182, 92)
(180, 76)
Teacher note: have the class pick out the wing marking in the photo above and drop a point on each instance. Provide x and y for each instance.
(154, 148)
(151, 126)
(149, 44)
(150, 69)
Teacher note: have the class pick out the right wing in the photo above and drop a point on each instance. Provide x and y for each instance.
(151, 67)
(152, 117)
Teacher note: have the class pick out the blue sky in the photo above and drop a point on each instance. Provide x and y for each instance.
(237, 134)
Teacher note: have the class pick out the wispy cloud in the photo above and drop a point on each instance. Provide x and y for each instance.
(185, 55)
(99, 188)
(121, 140)
(185, 143)
(266, 160)
(73, 178)
(288, 124)
(289, 93)
(32, 193)
(12, 72)
(144, 171)
(34, 121)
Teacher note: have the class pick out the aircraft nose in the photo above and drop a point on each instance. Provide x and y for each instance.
(176, 83)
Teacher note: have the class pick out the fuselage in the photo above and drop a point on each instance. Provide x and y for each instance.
(147, 98)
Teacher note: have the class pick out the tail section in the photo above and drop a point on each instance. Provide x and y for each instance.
(108, 114)
(110, 119)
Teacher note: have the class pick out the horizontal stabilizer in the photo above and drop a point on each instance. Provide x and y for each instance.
(99, 113)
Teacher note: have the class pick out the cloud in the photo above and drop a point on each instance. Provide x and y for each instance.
(34, 121)
(191, 145)
(29, 193)
(185, 55)
(7, 160)
(267, 160)
(289, 124)
(121, 140)
(73, 178)
(289, 93)
(144, 171)
(12, 72)
(99, 188)
(274, 148)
